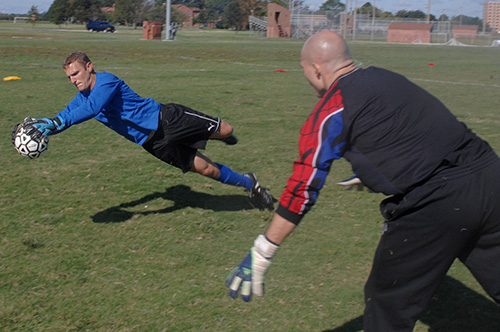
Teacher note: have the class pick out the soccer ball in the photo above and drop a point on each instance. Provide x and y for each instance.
(30, 142)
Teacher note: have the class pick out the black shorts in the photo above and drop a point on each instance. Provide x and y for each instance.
(181, 132)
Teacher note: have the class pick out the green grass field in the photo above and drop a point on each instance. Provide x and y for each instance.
(97, 235)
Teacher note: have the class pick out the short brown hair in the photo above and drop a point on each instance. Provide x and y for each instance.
(80, 57)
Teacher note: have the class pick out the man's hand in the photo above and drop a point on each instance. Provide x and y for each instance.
(46, 126)
(28, 129)
(248, 277)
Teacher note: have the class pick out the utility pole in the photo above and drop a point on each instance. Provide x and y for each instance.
(374, 11)
(354, 22)
(346, 18)
(429, 12)
(167, 23)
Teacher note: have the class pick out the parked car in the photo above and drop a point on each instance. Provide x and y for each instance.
(100, 26)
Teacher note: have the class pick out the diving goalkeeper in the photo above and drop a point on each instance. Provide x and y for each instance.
(171, 132)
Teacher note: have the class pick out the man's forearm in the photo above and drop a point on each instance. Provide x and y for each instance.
(279, 229)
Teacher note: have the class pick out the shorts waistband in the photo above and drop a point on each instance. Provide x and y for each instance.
(153, 132)
(450, 173)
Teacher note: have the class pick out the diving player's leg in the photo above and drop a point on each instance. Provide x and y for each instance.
(225, 134)
(222, 173)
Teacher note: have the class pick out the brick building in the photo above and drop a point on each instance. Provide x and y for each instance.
(465, 31)
(409, 33)
(190, 13)
(278, 21)
(491, 14)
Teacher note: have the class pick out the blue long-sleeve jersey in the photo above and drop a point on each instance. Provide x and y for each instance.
(113, 103)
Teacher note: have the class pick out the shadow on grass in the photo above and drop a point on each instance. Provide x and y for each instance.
(182, 196)
(454, 308)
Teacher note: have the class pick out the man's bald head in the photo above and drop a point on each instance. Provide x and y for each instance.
(324, 58)
(327, 48)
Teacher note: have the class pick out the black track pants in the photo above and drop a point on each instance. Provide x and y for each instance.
(450, 217)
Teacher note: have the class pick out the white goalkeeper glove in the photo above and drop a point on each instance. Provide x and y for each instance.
(353, 182)
(248, 277)
(348, 184)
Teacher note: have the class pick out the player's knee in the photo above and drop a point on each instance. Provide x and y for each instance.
(210, 171)
(225, 129)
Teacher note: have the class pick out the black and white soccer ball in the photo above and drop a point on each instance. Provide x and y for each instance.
(29, 141)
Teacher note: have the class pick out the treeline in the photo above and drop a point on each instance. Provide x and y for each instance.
(226, 13)
(369, 10)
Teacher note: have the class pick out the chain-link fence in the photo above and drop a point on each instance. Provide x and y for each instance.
(364, 27)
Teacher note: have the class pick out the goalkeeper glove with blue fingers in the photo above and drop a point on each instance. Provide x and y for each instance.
(248, 277)
(46, 126)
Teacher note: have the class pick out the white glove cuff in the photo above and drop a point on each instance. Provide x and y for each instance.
(265, 247)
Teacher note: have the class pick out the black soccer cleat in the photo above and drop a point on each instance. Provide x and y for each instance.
(262, 194)
(230, 140)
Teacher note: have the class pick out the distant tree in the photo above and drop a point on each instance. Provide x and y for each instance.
(467, 20)
(211, 11)
(153, 12)
(332, 5)
(413, 14)
(189, 3)
(157, 13)
(122, 13)
(417, 14)
(177, 16)
(59, 12)
(206, 15)
(367, 9)
(85, 10)
(106, 3)
(129, 12)
(234, 15)
(216, 6)
(386, 15)
(248, 6)
(33, 11)
(443, 17)
(401, 13)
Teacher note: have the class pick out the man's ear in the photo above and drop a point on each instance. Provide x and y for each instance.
(317, 70)
(89, 66)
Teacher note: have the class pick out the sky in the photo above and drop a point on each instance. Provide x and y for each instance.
(473, 8)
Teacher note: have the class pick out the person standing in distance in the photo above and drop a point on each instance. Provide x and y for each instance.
(442, 180)
(171, 132)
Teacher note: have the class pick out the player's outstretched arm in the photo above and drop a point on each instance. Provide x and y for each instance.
(247, 278)
(45, 125)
